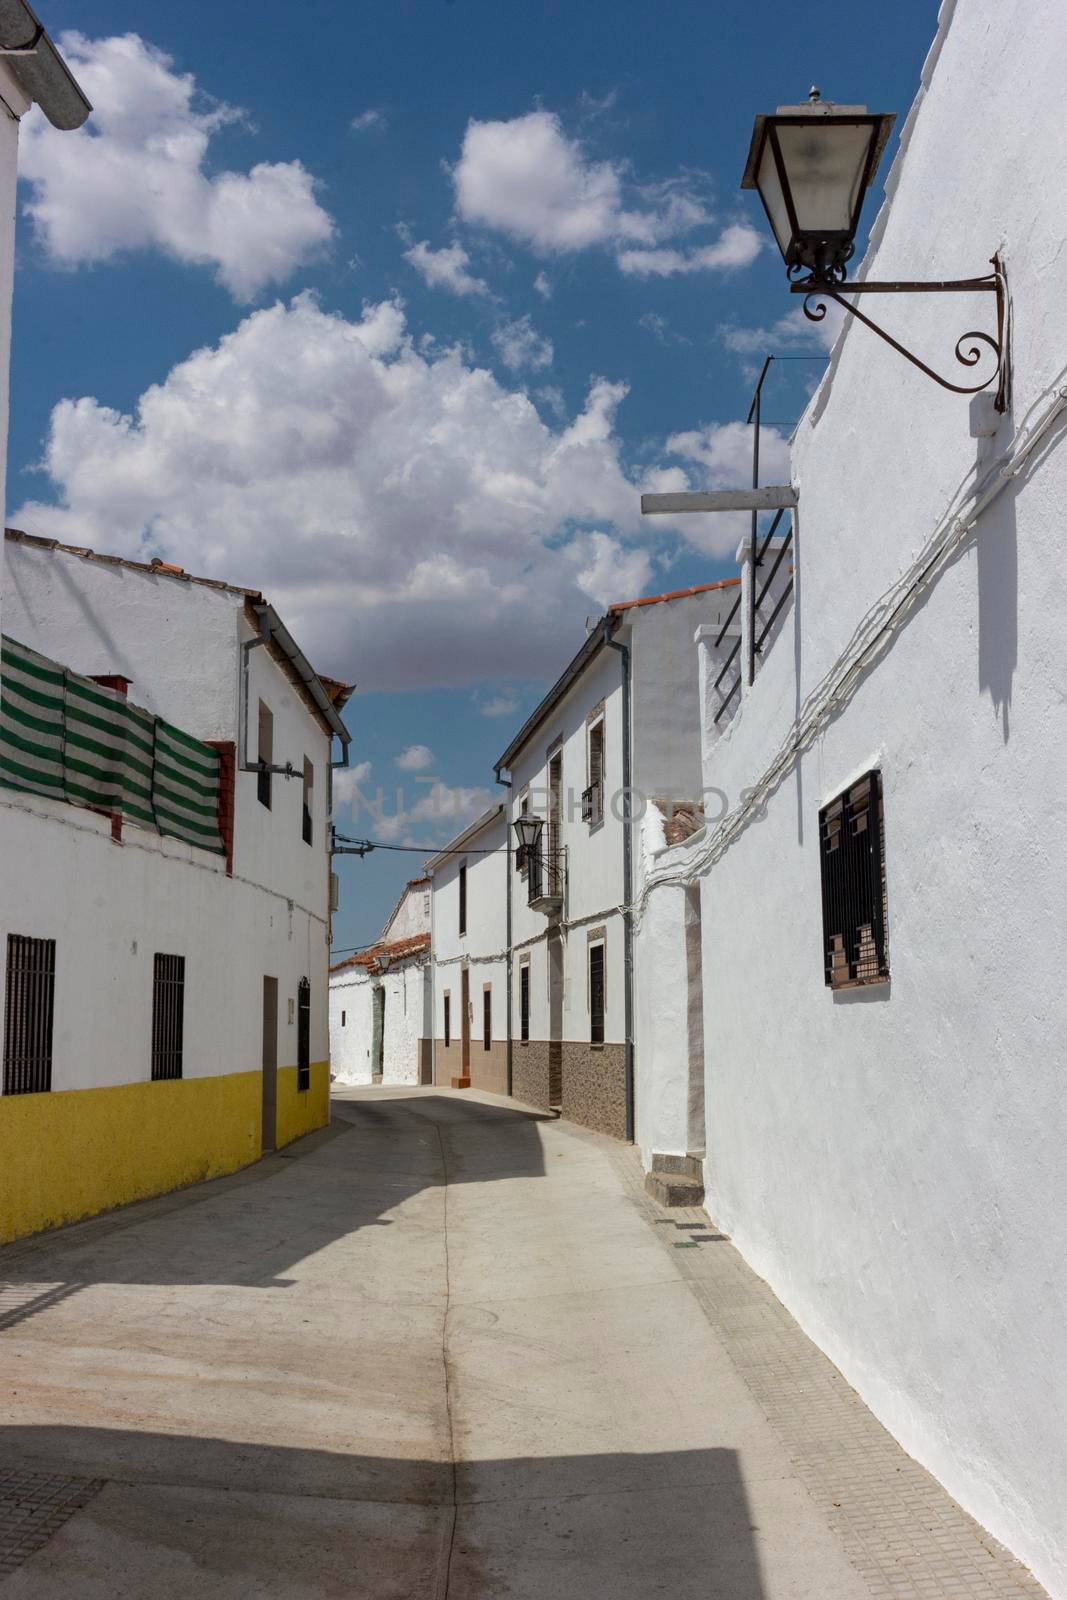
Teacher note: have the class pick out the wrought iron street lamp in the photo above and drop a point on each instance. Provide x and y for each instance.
(383, 960)
(812, 165)
(528, 830)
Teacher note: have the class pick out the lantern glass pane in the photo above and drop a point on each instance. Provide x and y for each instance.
(771, 194)
(824, 163)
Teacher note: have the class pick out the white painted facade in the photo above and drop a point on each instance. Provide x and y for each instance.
(380, 1000)
(890, 1158)
(476, 944)
(665, 765)
(111, 906)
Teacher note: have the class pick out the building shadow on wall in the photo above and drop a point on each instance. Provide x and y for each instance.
(619, 1526)
(998, 583)
(378, 1153)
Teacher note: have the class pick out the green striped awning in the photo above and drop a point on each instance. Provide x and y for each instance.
(64, 736)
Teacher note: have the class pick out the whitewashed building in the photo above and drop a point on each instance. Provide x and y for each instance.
(618, 732)
(165, 763)
(471, 911)
(380, 1000)
(884, 1075)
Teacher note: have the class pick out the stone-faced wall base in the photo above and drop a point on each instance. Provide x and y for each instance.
(529, 1073)
(594, 1086)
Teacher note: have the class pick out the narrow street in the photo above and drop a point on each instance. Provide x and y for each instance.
(445, 1347)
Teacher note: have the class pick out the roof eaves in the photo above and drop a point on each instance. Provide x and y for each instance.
(463, 838)
(38, 67)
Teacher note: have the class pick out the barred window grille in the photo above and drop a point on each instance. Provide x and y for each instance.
(448, 1019)
(854, 905)
(307, 827)
(524, 1002)
(596, 994)
(303, 1035)
(463, 898)
(168, 1015)
(28, 1009)
(487, 1018)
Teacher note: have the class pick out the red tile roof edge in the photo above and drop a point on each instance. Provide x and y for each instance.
(399, 948)
(675, 594)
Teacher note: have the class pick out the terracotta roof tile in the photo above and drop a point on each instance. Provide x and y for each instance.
(675, 594)
(396, 950)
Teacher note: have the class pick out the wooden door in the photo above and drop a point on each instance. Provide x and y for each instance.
(466, 1021)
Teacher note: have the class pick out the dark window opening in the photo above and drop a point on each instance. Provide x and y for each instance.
(487, 1018)
(343, 1015)
(463, 898)
(854, 908)
(303, 1035)
(524, 1002)
(266, 753)
(309, 794)
(448, 1020)
(596, 993)
(593, 798)
(28, 1010)
(168, 1015)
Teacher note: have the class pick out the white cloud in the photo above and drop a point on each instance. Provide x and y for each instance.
(368, 120)
(501, 705)
(737, 246)
(543, 285)
(414, 519)
(722, 451)
(519, 345)
(529, 179)
(790, 330)
(445, 268)
(415, 758)
(133, 178)
(435, 813)
(346, 782)
(606, 572)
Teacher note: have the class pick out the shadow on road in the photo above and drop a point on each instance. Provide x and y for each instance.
(220, 1519)
(376, 1154)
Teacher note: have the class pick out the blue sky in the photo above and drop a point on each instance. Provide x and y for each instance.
(391, 310)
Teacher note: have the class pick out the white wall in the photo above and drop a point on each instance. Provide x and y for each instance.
(412, 915)
(406, 989)
(110, 909)
(179, 644)
(98, 616)
(594, 881)
(483, 947)
(891, 1159)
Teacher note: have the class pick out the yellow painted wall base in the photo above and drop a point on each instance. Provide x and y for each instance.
(299, 1111)
(75, 1152)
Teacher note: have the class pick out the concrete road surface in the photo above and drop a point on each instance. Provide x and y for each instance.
(442, 1349)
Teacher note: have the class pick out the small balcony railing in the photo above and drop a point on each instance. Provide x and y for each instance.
(593, 803)
(545, 880)
(763, 615)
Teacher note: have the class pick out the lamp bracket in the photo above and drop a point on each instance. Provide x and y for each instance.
(970, 347)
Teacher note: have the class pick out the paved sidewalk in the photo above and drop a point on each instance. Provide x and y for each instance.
(445, 1349)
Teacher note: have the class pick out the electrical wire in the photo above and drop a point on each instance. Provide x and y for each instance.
(872, 636)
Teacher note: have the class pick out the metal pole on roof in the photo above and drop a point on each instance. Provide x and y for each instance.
(754, 418)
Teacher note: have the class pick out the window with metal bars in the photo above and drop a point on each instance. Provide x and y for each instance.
(463, 898)
(596, 994)
(28, 1009)
(593, 797)
(303, 1035)
(854, 906)
(448, 1019)
(487, 1018)
(168, 1015)
(524, 1002)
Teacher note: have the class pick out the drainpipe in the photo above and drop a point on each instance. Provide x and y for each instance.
(505, 783)
(627, 881)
